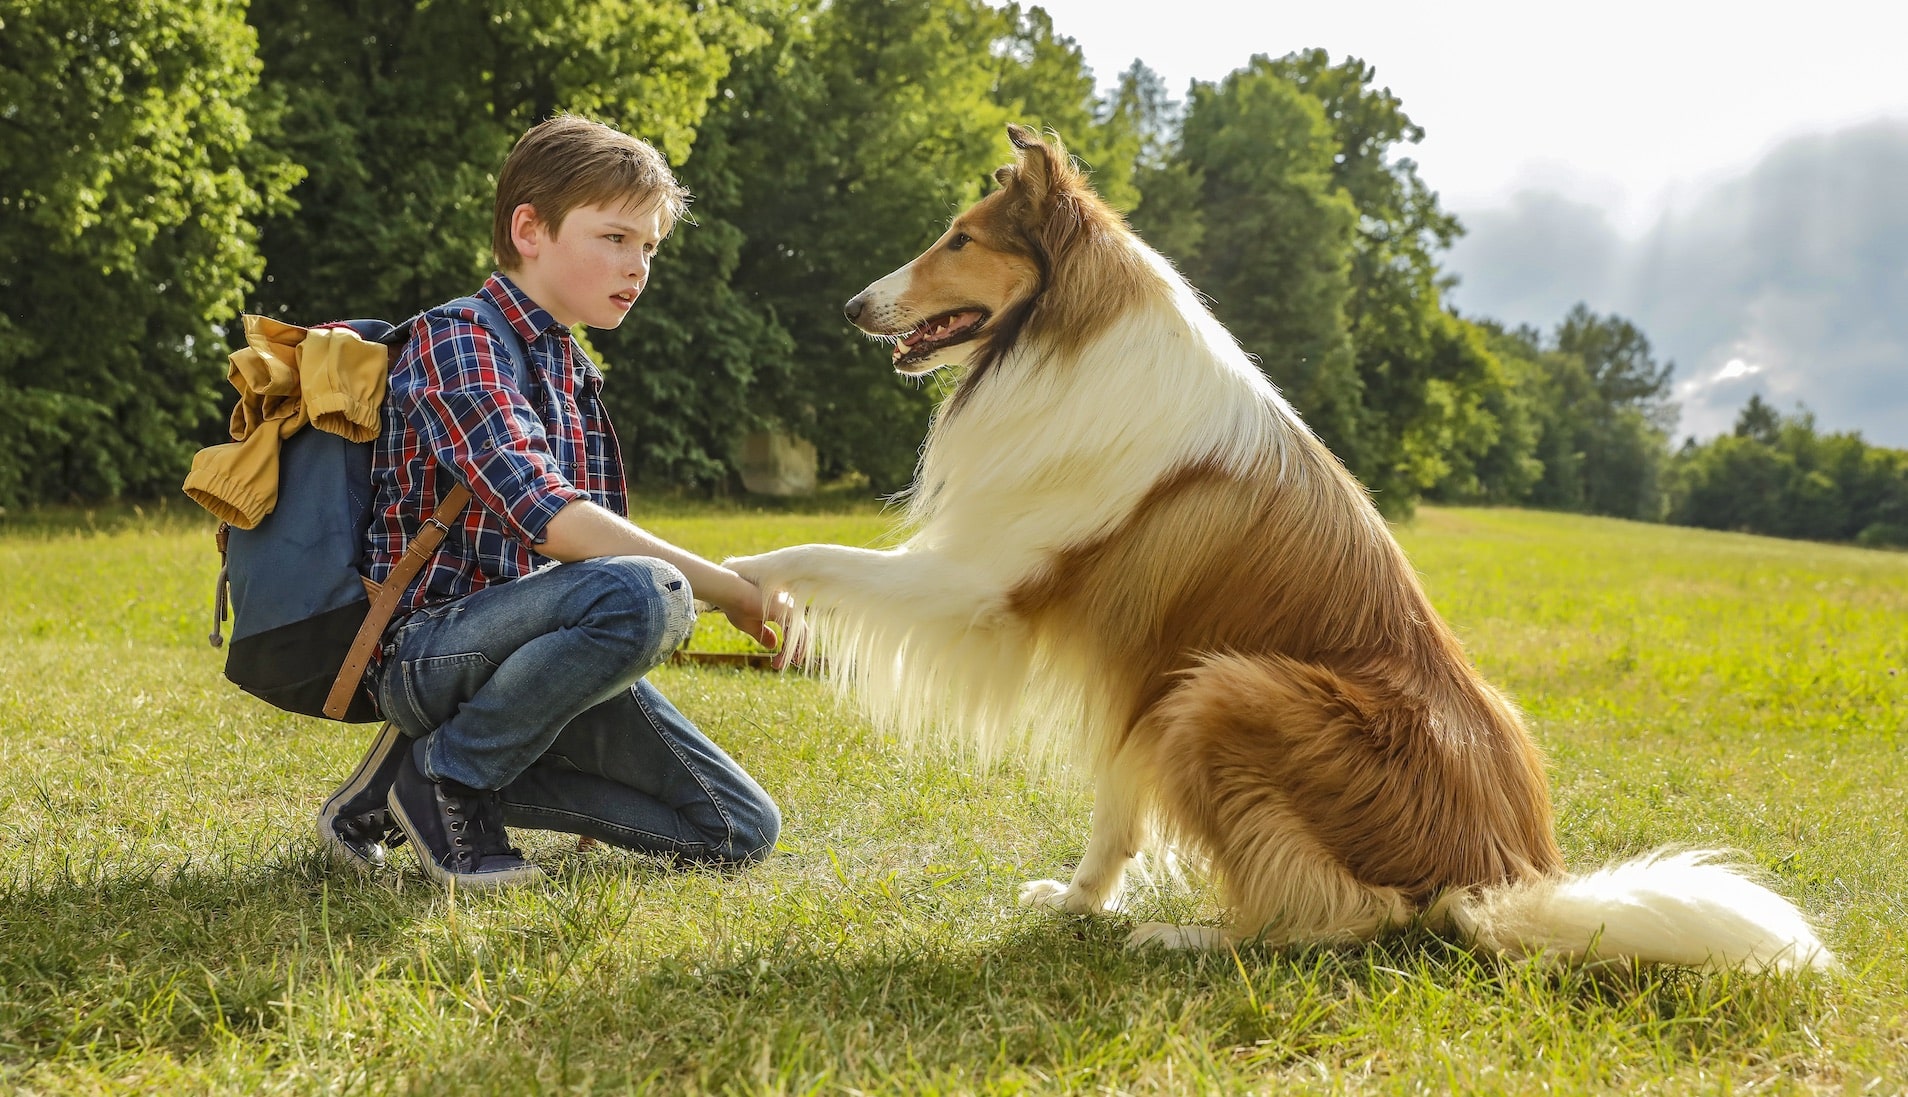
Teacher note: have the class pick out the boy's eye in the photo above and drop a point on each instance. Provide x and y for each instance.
(614, 237)
(960, 241)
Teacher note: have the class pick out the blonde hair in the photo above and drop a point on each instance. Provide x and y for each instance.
(569, 161)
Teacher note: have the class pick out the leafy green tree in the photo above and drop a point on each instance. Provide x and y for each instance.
(1428, 385)
(1598, 402)
(1327, 270)
(127, 204)
(1736, 482)
(853, 139)
(841, 141)
(1621, 421)
(1489, 450)
(1042, 78)
(1622, 367)
(1168, 216)
(1260, 151)
(1760, 421)
(1776, 474)
(403, 114)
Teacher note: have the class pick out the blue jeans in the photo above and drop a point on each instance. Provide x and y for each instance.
(535, 687)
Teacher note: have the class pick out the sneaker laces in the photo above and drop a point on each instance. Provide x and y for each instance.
(474, 819)
(372, 826)
(488, 837)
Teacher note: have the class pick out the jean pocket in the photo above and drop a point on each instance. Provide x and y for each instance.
(553, 760)
(433, 688)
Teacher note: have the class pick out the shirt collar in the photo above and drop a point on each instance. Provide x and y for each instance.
(532, 320)
(529, 318)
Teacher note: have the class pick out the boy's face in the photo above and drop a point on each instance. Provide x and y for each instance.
(594, 269)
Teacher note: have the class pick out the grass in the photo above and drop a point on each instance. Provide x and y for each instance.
(167, 924)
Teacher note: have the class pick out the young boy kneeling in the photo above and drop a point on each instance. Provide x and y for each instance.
(514, 691)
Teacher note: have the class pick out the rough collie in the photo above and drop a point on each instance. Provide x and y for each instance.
(1125, 544)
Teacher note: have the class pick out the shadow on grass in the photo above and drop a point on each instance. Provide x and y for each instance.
(184, 958)
(1060, 1003)
(167, 954)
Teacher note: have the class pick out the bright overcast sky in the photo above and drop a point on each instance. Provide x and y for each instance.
(1731, 176)
(1622, 104)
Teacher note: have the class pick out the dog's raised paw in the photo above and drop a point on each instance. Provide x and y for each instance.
(1058, 895)
(1167, 935)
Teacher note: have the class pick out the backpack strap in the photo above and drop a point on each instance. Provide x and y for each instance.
(385, 597)
(500, 326)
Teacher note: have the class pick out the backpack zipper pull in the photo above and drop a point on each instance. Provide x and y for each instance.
(221, 589)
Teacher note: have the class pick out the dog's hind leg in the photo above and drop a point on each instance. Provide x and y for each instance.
(1231, 742)
(1120, 809)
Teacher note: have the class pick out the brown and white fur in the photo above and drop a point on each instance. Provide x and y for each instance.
(1127, 546)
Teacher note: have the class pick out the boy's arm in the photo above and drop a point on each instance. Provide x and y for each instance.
(583, 530)
(451, 386)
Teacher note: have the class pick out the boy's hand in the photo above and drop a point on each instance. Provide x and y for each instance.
(753, 615)
(582, 530)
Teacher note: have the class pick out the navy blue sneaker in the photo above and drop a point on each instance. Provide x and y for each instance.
(457, 830)
(354, 825)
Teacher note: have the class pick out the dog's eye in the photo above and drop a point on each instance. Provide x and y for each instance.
(960, 241)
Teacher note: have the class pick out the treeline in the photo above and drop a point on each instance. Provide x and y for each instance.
(1776, 474)
(165, 163)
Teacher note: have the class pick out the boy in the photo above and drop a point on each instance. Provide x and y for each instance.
(514, 692)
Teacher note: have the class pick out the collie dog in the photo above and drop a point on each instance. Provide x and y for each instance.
(1126, 544)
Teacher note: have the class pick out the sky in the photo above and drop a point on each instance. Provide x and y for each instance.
(1732, 177)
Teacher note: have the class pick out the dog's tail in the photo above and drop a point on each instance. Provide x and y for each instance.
(1668, 907)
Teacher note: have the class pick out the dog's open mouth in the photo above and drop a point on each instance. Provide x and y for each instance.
(936, 333)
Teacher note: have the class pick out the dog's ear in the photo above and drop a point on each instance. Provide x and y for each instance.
(1040, 165)
(1051, 197)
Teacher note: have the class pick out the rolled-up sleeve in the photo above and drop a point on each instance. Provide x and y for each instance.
(453, 386)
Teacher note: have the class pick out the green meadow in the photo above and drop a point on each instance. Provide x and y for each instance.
(168, 924)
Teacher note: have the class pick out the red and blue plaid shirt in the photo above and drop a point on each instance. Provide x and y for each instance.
(454, 415)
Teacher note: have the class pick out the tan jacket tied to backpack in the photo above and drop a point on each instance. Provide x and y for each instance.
(286, 377)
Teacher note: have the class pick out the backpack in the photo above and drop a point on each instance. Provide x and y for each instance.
(305, 621)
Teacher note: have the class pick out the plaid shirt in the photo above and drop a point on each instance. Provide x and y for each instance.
(454, 414)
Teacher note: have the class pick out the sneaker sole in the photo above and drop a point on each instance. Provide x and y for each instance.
(473, 881)
(359, 780)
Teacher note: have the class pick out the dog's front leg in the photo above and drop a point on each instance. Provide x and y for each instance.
(1118, 821)
(897, 583)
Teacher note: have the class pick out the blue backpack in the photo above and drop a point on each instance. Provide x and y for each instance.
(305, 620)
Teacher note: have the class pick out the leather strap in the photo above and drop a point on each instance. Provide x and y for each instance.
(416, 555)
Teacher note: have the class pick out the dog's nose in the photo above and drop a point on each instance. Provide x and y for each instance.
(854, 307)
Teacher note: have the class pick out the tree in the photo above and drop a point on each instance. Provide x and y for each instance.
(1490, 450)
(127, 209)
(1279, 274)
(1734, 483)
(1600, 404)
(1168, 215)
(1776, 474)
(1428, 386)
(1042, 78)
(404, 113)
(1621, 423)
(1760, 421)
(1622, 368)
(853, 140)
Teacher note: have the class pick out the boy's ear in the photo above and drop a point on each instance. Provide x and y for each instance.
(527, 230)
